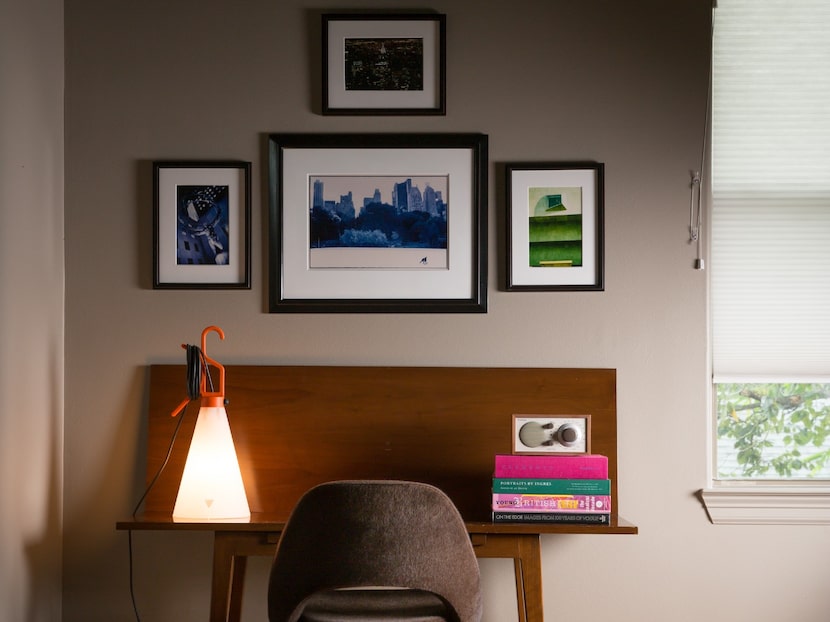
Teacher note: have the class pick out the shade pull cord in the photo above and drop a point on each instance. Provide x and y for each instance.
(696, 218)
(696, 186)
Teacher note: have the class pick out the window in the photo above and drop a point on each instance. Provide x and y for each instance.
(770, 244)
(773, 430)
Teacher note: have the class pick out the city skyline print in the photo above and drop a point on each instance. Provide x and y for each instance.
(384, 64)
(377, 223)
(387, 221)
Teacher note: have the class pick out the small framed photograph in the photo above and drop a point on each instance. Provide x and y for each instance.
(551, 434)
(392, 64)
(555, 226)
(378, 223)
(201, 225)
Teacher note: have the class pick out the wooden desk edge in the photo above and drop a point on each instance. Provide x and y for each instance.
(265, 523)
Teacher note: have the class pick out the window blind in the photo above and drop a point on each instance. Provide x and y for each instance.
(770, 211)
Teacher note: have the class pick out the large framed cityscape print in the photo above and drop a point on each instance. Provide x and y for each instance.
(384, 64)
(201, 225)
(555, 226)
(378, 223)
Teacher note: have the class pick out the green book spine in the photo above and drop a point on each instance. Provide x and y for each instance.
(552, 486)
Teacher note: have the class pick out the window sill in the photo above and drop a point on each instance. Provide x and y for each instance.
(767, 505)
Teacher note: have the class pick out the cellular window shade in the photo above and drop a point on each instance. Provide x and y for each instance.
(770, 216)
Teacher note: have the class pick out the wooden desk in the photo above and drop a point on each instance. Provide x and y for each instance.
(233, 543)
(295, 427)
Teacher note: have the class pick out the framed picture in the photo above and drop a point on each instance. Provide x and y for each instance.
(201, 225)
(384, 64)
(555, 227)
(378, 223)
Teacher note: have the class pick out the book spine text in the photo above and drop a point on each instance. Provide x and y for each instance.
(551, 503)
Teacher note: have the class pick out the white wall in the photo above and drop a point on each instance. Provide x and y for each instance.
(619, 82)
(31, 308)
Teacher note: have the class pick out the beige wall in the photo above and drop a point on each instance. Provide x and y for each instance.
(31, 308)
(619, 82)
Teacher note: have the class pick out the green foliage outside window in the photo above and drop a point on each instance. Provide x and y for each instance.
(779, 430)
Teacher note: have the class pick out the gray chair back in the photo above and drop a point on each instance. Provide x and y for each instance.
(366, 533)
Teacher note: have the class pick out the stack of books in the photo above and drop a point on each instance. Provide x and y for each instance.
(551, 489)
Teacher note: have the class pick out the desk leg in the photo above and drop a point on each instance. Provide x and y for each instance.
(237, 585)
(231, 550)
(226, 579)
(520, 589)
(525, 550)
(528, 568)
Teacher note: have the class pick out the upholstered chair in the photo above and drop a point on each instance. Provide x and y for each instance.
(378, 550)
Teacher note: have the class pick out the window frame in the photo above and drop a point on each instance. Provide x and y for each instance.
(747, 502)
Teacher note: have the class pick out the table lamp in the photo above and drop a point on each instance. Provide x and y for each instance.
(211, 488)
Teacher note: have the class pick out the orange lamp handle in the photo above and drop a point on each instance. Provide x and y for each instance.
(215, 398)
(221, 392)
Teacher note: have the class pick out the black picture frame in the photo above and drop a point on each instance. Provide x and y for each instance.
(315, 270)
(406, 75)
(201, 224)
(555, 226)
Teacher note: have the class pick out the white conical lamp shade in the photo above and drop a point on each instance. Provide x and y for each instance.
(211, 488)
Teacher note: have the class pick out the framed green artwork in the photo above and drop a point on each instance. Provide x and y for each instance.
(555, 226)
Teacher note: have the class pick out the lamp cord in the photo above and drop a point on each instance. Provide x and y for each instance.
(195, 364)
(141, 500)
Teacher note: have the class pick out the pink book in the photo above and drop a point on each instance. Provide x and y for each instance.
(551, 503)
(586, 466)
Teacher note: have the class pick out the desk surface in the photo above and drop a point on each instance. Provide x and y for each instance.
(260, 522)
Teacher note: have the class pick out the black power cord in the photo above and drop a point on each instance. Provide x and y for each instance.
(195, 360)
(196, 363)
